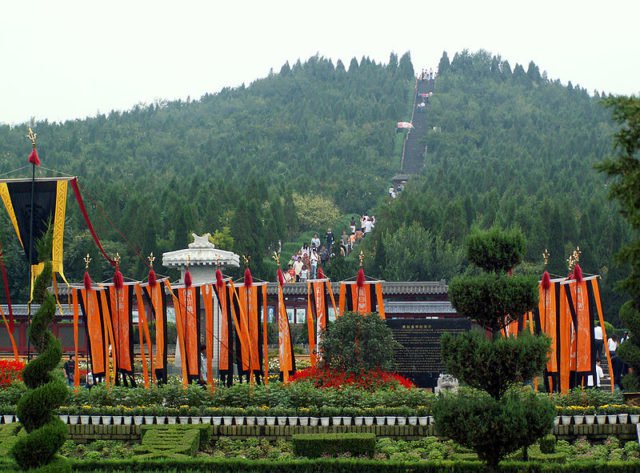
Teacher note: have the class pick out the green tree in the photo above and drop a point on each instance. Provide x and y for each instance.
(625, 188)
(497, 417)
(36, 408)
(356, 343)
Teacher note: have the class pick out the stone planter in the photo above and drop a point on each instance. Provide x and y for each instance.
(401, 420)
(106, 420)
(412, 420)
(138, 420)
(601, 419)
(391, 420)
(304, 421)
(325, 421)
(556, 420)
(566, 420)
(578, 419)
(623, 418)
(117, 420)
(424, 420)
(313, 421)
(282, 420)
(251, 420)
(205, 419)
(216, 420)
(612, 418)
(634, 418)
(196, 420)
(73, 419)
(432, 421)
(261, 420)
(336, 420)
(227, 420)
(589, 419)
(172, 420)
(380, 420)
(347, 420)
(127, 420)
(358, 420)
(84, 420)
(95, 420)
(8, 418)
(369, 420)
(239, 420)
(161, 420)
(270, 420)
(293, 420)
(183, 419)
(148, 420)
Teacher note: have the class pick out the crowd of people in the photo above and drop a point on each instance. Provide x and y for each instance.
(304, 264)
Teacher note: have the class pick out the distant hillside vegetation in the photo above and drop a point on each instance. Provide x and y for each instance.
(510, 147)
(232, 159)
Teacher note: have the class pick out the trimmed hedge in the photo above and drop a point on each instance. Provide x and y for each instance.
(341, 465)
(317, 445)
(172, 441)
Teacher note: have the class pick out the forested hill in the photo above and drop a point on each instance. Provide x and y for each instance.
(235, 159)
(506, 146)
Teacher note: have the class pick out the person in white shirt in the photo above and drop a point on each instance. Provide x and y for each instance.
(315, 241)
(599, 341)
(613, 345)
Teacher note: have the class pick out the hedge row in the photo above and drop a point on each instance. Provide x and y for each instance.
(317, 445)
(325, 465)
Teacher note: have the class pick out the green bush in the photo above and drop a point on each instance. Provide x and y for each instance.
(317, 445)
(493, 428)
(46, 391)
(356, 343)
(496, 250)
(494, 365)
(548, 444)
(493, 300)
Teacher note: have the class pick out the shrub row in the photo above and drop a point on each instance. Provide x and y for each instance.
(324, 465)
(317, 445)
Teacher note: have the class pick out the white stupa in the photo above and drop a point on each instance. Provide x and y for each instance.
(202, 257)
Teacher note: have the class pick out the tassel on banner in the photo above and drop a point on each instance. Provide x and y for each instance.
(152, 278)
(187, 279)
(546, 281)
(248, 279)
(118, 279)
(360, 280)
(219, 279)
(321, 274)
(577, 273)
(280, 277)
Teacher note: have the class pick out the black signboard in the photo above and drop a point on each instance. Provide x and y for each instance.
(420, 358)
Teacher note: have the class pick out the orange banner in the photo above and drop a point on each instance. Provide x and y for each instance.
(120, 308)
(284, 339)
(95, 331)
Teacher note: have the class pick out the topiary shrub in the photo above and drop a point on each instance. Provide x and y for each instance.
(317, 445)
(496, 417)
(46, 390)
(355, 343)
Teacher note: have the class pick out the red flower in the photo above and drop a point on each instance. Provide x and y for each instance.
(369, 380)
(10, 371)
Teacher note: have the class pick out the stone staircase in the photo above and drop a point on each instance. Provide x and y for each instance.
(415, 149)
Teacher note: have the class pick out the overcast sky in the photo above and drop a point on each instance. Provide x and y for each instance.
(64, 59)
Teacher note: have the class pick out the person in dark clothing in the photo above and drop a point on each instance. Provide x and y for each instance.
(330, 238)
(70, 370)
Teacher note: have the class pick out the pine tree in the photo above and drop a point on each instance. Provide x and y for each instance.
(625, 172)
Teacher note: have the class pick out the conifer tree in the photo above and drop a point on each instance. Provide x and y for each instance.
(625, 171)
(47, 391)
(498, 416)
